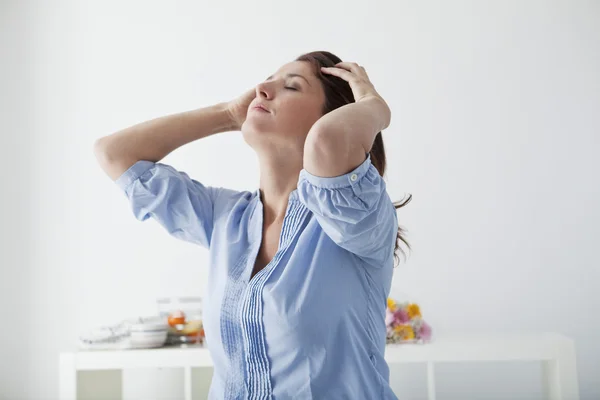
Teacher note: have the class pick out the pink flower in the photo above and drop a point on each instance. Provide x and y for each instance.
(401, 316)
(425, 331)
(389, 317)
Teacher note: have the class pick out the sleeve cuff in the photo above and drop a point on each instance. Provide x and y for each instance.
(133, 173)
(336, 182)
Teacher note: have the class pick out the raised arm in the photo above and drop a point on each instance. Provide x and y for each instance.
(152, 140)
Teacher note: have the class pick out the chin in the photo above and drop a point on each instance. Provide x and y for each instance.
(263, 142)
(254, 138)
(252, 127)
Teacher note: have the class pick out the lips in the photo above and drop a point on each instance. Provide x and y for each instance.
(261, 108)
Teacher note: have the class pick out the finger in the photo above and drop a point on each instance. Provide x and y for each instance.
(339, 72)
(352, 67)
(364, 72)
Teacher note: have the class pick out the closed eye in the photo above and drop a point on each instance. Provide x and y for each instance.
(291, 88)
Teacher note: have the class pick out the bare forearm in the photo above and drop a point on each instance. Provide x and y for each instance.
(358, 122)
(152, 140)
(339, 140)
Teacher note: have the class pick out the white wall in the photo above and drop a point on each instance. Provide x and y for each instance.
(16, 242)
(494, 131)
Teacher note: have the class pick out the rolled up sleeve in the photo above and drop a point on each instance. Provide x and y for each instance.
(183, 206)
(354, 210)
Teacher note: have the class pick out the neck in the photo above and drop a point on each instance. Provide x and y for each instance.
(278, 178)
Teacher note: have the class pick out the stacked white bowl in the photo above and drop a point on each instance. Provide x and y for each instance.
(147, 332)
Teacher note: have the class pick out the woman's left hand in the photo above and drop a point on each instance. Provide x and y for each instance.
(356, 76)
(359, 81)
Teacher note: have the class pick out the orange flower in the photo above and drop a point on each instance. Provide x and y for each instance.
(413, 310)
(391, 304)
(405, 331)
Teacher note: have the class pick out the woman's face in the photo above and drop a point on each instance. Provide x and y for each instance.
(294, 99)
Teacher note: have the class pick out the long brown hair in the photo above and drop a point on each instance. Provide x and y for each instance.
(337, 94)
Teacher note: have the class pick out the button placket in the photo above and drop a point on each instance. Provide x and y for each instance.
(258, 382)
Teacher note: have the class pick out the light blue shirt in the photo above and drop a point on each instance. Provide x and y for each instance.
(311, 324)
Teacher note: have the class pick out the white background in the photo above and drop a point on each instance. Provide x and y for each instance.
(494, 131)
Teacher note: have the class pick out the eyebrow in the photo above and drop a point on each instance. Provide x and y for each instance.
(292, 76)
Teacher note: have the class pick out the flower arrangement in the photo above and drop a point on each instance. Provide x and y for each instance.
(405, 323)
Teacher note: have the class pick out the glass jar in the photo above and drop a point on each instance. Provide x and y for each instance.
(184, 316)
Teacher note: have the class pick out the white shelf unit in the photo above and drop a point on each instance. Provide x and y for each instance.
(555, 352)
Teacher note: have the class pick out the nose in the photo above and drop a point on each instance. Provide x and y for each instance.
(264, 90)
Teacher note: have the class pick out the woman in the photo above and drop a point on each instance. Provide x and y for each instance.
(300, 269)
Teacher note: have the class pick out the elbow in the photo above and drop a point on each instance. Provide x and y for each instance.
(110, 162)
(318, 147)
(330, 153)
(101, 152)
(325, 153)
(321, 143)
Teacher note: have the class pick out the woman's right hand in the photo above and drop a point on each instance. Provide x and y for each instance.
(238, 108)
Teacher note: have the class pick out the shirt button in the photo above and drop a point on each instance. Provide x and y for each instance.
(353, 177)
